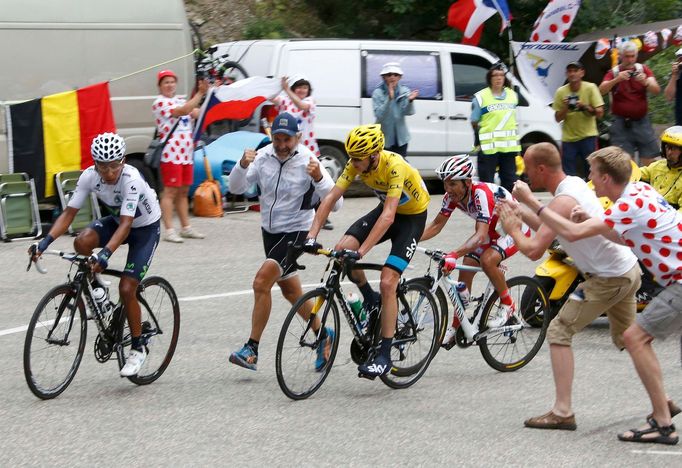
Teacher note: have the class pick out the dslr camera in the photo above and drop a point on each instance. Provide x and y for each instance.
(572, 102)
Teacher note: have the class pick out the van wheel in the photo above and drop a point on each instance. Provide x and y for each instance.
(333, 159)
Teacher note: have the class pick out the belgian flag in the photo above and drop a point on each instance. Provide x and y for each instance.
(54, 133)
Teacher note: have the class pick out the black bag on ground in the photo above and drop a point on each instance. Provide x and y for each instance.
(152, 158)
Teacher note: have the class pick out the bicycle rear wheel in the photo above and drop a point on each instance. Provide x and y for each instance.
(55, 342)
(416, 337)
(511, 350)
(160, 327)
(300, 372)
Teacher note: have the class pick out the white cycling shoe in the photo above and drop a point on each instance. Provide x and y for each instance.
(504, 313)
(133, 363)
(449, 335)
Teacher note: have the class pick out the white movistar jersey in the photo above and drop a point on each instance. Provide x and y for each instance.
(129, 196)
(287, 193)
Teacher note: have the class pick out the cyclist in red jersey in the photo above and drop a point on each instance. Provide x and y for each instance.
(487, 247)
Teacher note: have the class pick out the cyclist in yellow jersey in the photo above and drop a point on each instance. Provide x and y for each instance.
(400, 217)
(665, 175)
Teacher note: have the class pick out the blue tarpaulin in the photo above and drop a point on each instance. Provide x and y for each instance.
(222, 156)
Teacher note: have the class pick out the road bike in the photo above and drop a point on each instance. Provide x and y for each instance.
(56, 335)
(505, 348)
(414, 343)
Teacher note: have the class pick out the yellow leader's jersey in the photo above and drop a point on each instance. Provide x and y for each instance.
(393, 177)
(667, 181)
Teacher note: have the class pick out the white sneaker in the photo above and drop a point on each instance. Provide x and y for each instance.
(171, 236)
(449, 335)
(133, 363)
(504, 313)
(191, 233)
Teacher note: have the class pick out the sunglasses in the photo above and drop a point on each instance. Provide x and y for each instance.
(392, 74)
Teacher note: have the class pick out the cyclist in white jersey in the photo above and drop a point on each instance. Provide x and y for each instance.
(133, 219)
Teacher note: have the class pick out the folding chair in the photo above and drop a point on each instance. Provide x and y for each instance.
(19, 215)
(14, 177)
(65, 182)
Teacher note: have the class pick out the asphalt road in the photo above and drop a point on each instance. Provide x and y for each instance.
(205, 411)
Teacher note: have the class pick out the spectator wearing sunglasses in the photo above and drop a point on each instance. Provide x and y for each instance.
(392, 102)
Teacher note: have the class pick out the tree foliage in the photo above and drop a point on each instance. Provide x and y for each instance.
(427, 20)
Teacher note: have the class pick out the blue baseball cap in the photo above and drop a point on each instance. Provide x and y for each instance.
(285, 123)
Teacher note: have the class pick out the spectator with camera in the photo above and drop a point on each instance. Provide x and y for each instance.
(629, 84)
(577, 105)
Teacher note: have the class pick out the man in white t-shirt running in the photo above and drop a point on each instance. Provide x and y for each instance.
(642, 219)
(612, 275)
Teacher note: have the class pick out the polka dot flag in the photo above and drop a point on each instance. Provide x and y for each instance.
(555, 21)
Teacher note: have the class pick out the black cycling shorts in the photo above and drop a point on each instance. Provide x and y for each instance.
(404, 234)
(276, 246)
(142, 242)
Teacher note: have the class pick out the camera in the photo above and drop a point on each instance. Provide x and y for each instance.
(633, 73)
(572, 102)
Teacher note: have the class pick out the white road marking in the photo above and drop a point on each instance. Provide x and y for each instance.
(23, 328)
(655, 452)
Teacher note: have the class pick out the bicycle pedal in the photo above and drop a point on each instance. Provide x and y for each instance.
(365, 376)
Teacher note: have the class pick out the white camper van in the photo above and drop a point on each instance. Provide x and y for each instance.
(48, 47)
(343, 74)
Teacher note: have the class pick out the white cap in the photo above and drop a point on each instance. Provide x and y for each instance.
(678, 53)
(391, 67)
(297, 77)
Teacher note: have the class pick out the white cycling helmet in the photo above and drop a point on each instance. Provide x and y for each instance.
(457, 167)
(107, 147)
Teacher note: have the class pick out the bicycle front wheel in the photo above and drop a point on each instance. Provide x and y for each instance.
(160, 327)
(507, 351)
(302, 360)
(55, 341)
(418, 331)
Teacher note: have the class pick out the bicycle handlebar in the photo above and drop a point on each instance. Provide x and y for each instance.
(70, 256)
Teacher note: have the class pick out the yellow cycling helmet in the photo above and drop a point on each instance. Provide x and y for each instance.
(364, 141)
(671, 136)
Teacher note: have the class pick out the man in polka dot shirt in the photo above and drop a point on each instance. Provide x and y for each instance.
(642, 219)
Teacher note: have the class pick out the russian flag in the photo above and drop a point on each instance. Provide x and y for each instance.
(469, 15)
(236, 101)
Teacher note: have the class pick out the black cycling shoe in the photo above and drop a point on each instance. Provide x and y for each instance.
(373, 368)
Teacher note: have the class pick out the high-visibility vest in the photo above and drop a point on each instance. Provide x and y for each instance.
(497, 128)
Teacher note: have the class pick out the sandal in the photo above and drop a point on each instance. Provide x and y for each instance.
(674, 410)
(664, 437)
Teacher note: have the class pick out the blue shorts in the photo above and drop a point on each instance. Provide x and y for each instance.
(142, 242)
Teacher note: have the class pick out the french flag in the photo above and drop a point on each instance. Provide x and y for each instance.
(236, 101)
(469, 15)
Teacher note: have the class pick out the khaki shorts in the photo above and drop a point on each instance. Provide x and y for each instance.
(613, 296)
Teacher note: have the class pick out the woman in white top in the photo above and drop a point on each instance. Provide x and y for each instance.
(177, 161)
(296, 99)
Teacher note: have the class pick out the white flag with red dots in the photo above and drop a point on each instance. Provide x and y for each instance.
(555, 20)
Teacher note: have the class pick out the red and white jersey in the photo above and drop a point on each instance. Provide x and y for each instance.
(480, 206)
(652, 228)
(180, 147)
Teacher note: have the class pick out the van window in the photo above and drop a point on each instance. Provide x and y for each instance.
(469, 74)
(421, 70)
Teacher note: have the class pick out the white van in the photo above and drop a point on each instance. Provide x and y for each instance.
(343, 74)
(48, 47)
